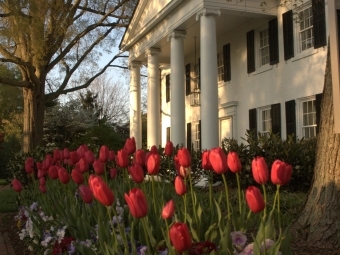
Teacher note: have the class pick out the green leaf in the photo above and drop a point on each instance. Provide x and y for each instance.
(266, 230)
(286, 243)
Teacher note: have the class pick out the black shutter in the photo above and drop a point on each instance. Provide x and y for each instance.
(167, 88)
(250, 52)
(187, 79)
(290, 118)
(318, 99)
(253, 121)
(189, 136)
(226, 62)
(168, 138)
(273, 42)
(200, 134)
(319, 23)
(275, 113)
(288, 35)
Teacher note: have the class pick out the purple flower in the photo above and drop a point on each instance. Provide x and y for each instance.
(248, 250)
(266, 245)
(238, 238)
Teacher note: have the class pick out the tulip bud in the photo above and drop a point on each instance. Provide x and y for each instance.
(112, 155)
(205, 160)
(29, 165)
(168, 210)
(154, 149)
(184, 157)
(260, 170)
(100, 190)
(180, 237)
(74, 157)
(113, 173)
(42, 188)
(81, 151)
(42, 181)
(83, 165)
(130, 145)
(16, 185)
(98, 167)
(281, 172)
(77, 176)
(137, 203)
(104, 153)
(63, 175)
(89, 157)
(234, 162)
(66, 153)
(139, 157)
(218, 160)
(153, 164)
(169, 148)
(184, 171)
(180, 187)
(57, 155)
(86, 194)
(122, 159)
(254, 199)
(53, 172)
(136, 172)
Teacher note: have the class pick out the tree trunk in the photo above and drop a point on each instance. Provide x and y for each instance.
(34, 107)
(319, 222)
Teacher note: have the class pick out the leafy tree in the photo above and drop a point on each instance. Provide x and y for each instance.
(55, 44)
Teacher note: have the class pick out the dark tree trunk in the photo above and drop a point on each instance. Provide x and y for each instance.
(319, 222)
(34, 107)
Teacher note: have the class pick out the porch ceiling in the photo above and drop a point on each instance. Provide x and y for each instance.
(225, 23)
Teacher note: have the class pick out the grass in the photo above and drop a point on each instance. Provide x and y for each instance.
(8, 201)
(3, 182)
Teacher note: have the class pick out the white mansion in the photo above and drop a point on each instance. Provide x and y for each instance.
(217, 68)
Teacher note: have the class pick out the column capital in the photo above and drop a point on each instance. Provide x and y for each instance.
(152, 51)
(177, 34)
(135, 64)
(207, 12)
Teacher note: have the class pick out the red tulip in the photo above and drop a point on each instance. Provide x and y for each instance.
(254, 199)
(100, 190)
(139, 157)
(281, 172)
(86, 194)
(184, 171)
(180, 237)
(42, 188)
(168, 210)
(66, 153)
(89, 157)
(29, 165)
(77, 176)
(154, 149)
(81, 151)
(234, 162)
(122, 158)
(169, 148)
(42, 181)
(184, 157)
(98, 167)
(180, 187)
(260, 170)
(218, 160)
(53, 172)
(113, 173)
(63, 175)
(137, 203)
(41, 173)
(57, 155)
(83, 165)
(16, 185)
(104, 153)
(153, 164)
(74, 157)
(112, 155)
(47, 162)
(136, 172)
(130, 145)
(205, 160)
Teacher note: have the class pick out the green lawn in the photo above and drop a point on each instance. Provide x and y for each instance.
(8, 200)
(3, 182)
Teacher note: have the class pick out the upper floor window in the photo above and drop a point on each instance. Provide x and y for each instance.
(220, 67)
(306, 28)
(264, 47)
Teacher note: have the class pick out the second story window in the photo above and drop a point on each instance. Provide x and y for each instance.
(264, 47)
(220, 67)
(306, 28)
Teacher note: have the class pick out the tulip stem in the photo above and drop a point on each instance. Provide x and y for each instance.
(153, 194)
(239, 193)
(122, 231)
(146, 236)
(226, 194)
(185, 207)
(265, 200)
(210, 188)
(113, 230)
(193, 203)
(278, 205)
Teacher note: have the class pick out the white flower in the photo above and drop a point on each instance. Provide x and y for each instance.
(30, 248)
(61, 233)
(46, 241)
(29, 227)
(266, 245)
(47, 252)
(22, 234)
(34, 206)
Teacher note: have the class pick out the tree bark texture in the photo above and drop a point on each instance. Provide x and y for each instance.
(319, 222)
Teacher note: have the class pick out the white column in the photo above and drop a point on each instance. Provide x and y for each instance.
(135, 103)
(153, 104)
(177, 87)
(209, 83)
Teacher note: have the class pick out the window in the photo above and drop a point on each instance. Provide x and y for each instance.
(266, 120)
(264, 47)
(306, 28)
(167, 88)
(309, 119)
(220, 67)
(197, 136)
(187, 80)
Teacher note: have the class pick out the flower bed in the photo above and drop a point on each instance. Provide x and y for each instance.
(77, 203)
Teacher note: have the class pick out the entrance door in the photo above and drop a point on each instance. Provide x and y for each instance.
(226, 128)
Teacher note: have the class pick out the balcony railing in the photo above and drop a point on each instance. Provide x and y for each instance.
(195, 97)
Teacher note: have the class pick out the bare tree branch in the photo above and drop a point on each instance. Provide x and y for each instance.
(11, 82)
(103, 13)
